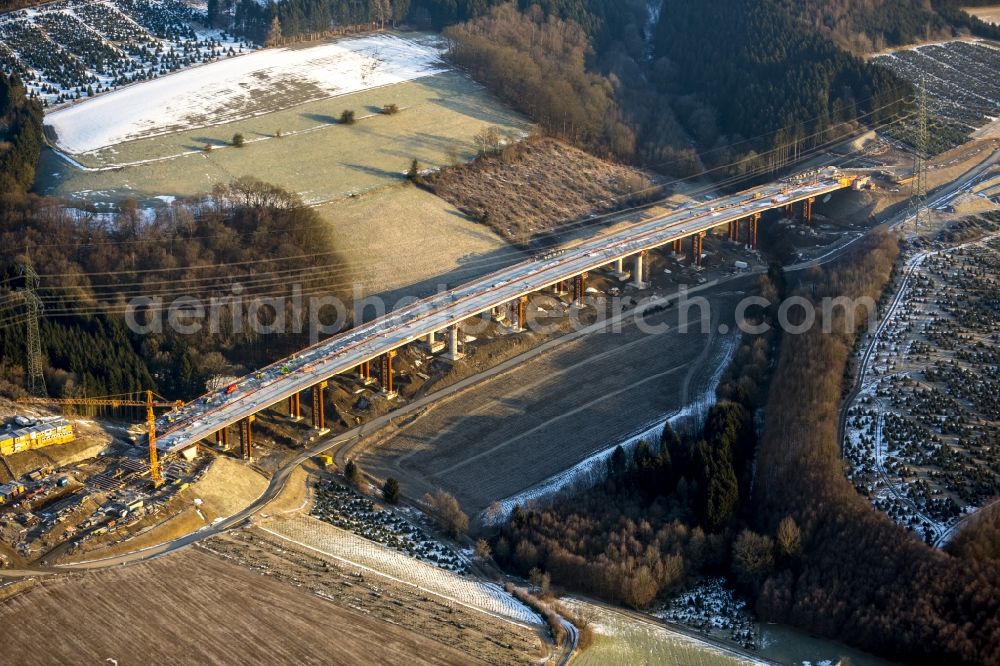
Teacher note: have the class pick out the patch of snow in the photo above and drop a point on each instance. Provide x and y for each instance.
(348, 547)
(592, 469)
(231, 89)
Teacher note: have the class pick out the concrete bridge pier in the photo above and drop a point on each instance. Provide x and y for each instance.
(385, 374)
(246, 438)
(678, 247)
(637, 271)
(619, 271)
(521, 311)
(222, 438)
(579, 290)
(365, 372)
(754, 227)
(294, 407)
(319, 408)
(807, 210)
(696, 247)
(453, 354)
(434, 345)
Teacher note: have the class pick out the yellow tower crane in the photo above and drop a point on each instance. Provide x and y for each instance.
(116, 401)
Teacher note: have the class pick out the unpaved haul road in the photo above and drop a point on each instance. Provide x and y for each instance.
(335, 444)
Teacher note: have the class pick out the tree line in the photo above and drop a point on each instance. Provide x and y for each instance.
(667, 511)
(537, 63)
(21, 136)
(860, 577)
(245, 232)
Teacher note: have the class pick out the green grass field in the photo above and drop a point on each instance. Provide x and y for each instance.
(315, 156)
(405, 241)
(621, 640)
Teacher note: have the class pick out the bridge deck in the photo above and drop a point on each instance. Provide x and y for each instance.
(203, 417)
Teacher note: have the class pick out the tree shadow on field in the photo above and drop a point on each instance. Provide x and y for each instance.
(437, 143)
(375, 171)
(321, 118)
(456, 98)
(201, 141)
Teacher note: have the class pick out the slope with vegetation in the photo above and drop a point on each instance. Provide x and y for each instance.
(860, 577)
(246, 233)
(246, 239)
(537, 185)
(805, 547)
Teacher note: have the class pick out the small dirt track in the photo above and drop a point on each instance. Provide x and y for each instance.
(544, 416)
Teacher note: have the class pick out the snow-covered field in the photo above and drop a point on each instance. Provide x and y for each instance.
(348, 547)
(257, 83)
(621, 639)
(73, 49)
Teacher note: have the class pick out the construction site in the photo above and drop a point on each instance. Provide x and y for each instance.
(336, 495)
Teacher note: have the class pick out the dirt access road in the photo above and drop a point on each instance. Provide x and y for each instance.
(543, 416)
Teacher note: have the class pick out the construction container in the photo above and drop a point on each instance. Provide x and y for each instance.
(44, 432)
(9, 491)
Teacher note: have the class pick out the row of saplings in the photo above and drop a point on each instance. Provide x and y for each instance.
(447, 512)
(346, 118)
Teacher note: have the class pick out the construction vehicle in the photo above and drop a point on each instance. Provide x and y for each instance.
(116, 401)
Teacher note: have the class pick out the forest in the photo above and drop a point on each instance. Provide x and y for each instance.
(803, 546)
(246, 238)
(20, 137)
(669, 510)
(742, 87)
(245, 233)
(861, 577)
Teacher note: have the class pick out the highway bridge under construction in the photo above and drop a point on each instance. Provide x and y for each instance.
(377, 340)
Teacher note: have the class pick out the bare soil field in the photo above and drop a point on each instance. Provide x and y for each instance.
(482, 637)
(192, 607)
(501, 437)
(314, 155)
(538, 185)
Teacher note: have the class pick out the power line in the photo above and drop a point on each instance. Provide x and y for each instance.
(36, 378)
(275, 278)
(920, 152)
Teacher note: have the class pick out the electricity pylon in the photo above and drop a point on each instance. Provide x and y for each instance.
(920, 153)
(33, 308)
